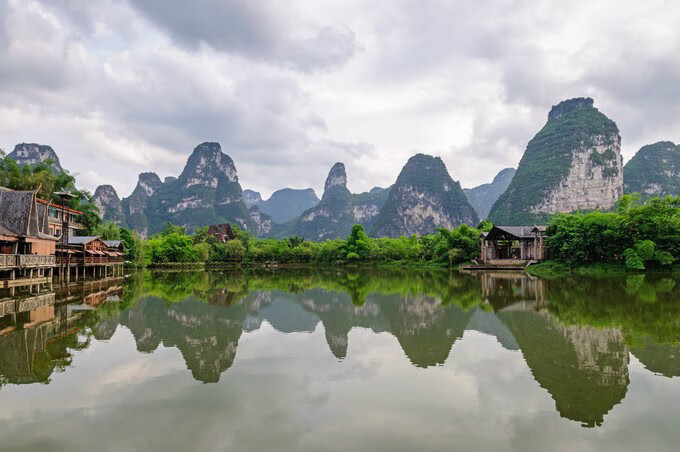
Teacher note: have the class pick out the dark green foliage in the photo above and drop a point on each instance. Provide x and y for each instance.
(132, 245)
(443, 248)
(638, 234)
(654, 170)
(547, 160)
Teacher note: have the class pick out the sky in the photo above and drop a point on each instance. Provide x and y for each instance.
(290, 87)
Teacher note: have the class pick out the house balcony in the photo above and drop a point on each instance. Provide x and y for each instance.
(12, 261)
(36, 260)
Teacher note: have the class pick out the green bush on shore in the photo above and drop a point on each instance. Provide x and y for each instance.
(641, 235)
(445, 247)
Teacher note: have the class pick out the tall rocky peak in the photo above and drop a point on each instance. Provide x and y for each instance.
(110, 207)
(654, 170)
(483, 196)
(568, 105)
(32, 154)
(207, 192)
(148, 183)
(573, 163)
(338, 209)
(337, 177)
(207, 165)
(423, 198)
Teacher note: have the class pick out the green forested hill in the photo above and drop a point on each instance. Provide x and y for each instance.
(423, 198)
(572, 125)
(654, 170)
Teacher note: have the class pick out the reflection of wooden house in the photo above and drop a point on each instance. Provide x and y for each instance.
(513, 245)
(222, 232)
(25, 248)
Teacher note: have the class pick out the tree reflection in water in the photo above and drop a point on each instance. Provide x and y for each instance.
(575, 334)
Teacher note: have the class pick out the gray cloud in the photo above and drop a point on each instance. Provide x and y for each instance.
(258, 30)
(288, 88)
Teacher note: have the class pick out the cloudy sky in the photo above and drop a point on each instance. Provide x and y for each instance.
(290, 87)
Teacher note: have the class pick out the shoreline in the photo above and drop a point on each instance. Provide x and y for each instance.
(548, 269)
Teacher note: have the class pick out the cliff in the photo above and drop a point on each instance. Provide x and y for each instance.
(573, 163)
(423, 199)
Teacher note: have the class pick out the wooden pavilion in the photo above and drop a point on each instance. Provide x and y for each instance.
(513, 245)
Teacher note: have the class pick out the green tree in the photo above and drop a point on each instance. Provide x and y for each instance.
(108, 231)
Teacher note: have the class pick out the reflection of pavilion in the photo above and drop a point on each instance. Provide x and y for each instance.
(504, 288)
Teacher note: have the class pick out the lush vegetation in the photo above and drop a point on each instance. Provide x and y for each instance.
(444, 248)
(639, 234)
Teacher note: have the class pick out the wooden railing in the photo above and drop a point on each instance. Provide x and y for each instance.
(27, 260)
(8, 260)
(90, 260)
(36, 260)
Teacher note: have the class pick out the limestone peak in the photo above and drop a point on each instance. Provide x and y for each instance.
(568, 105)
(337, 177)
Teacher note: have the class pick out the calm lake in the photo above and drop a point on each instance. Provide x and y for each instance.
(342, 360)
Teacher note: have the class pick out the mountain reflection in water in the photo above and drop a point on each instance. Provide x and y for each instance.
(576, 335)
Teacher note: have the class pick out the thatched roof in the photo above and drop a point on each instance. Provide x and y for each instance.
(19, 214)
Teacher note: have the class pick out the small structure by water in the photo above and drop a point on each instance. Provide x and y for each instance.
(512, 246)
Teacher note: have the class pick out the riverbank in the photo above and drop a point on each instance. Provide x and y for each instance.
(550, 269)
(274, 264)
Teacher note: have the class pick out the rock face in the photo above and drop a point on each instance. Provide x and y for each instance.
(261, 221)
(654, 170)
(284, 205)
(483, 196)
(135, 205)
(207, 192)
(573, 163)
(32, 154)
(333, 217)
(110, 207)
(251, 198)
(423, 199)
(339, 209)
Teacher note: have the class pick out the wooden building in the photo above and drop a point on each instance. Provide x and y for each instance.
(90, 256)
(53, 213)
(26, 251)
(222, 232)
(513, 245)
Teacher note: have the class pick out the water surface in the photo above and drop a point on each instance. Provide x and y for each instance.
(342, 360)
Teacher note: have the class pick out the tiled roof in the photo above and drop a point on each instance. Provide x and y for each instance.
(517, 231)
(82, 240)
